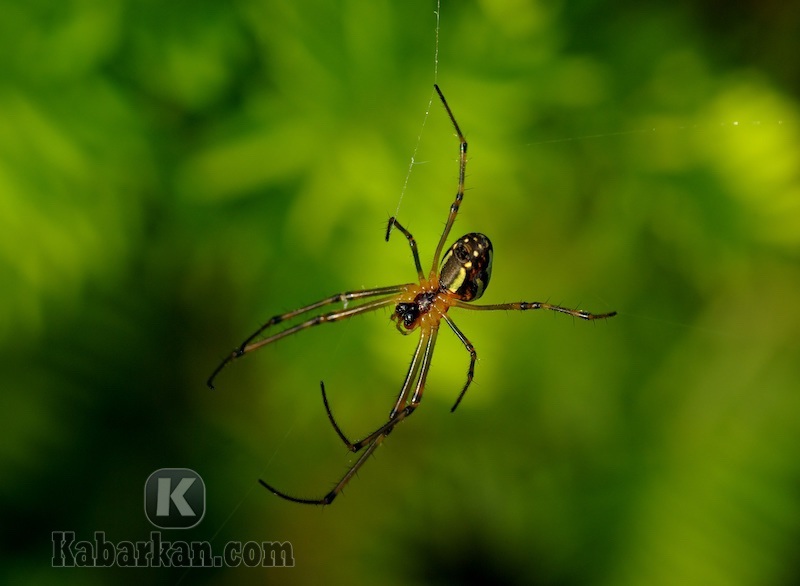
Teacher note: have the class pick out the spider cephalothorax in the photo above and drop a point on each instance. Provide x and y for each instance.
(464, 275)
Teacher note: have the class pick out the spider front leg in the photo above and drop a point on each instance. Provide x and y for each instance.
(526, 305)
(462, 173)
(411, 242)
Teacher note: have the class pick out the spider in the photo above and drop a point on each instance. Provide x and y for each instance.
(464, 275)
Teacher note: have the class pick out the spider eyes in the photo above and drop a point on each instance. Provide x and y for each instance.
(467, 267)
(408, 312)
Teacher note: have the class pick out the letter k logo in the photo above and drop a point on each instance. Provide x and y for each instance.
(174, 498)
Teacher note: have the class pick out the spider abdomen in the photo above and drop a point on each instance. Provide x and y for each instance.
(467, 267)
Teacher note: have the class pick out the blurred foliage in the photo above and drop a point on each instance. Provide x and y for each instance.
(173, 173)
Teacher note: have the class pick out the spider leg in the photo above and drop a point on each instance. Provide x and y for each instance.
(376, 438)
(526, 305)
(462, 170)
(473, 356)
(335, 425)
(328, 498)
(411, 242)
(402, 398)
(248, 345)
(396, 416)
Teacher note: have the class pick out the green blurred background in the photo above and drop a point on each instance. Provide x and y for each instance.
(174, 173)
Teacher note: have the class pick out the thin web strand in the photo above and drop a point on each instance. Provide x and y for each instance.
(413, 161)
(735, 124)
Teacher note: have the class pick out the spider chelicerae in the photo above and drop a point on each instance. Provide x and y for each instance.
(463, 278)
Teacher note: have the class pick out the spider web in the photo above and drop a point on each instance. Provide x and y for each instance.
(413, 160)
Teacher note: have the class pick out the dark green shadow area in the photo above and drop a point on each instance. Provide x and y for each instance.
(174, 173)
